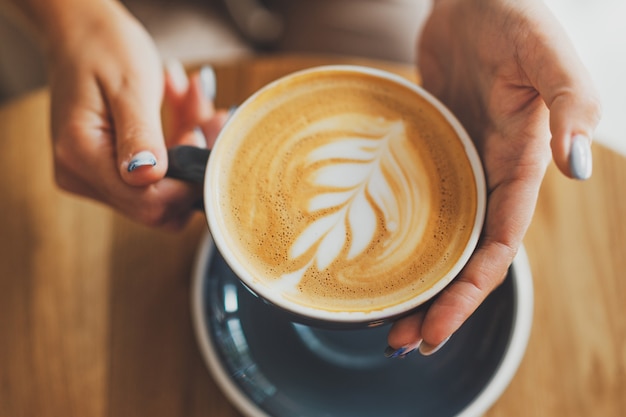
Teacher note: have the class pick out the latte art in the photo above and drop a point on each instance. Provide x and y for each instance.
(364, 187)
(342, 191)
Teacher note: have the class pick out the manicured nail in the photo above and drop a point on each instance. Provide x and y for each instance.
(200, 137)
(177, 74)
(580, 160)
(207, 82)
(402, 352)
(427, 350)
(141, 159)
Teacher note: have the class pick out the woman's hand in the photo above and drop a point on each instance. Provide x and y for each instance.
(107, 89)
(511, 76)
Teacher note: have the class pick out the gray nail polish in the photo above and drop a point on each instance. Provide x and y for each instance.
(200, 135)
(232, 111)
(140, 159)
(208, 83)
(580, 160)
(427, 350)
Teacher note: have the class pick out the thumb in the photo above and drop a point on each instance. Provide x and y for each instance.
(567, 89)
(141, 152)
(574, 115)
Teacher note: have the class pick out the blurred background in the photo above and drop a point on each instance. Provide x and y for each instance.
(598, 30)
(197, 31)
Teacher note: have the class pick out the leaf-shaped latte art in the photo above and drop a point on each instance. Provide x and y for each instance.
(364, 185)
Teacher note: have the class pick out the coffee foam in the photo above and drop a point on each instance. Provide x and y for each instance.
(345, 192)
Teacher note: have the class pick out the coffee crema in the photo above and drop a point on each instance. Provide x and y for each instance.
(344, 191)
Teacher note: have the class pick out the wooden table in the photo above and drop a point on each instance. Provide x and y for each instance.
(94, 310)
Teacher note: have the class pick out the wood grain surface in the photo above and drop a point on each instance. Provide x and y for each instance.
(94, 309)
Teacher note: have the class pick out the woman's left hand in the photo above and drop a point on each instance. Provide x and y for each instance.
(511, 76)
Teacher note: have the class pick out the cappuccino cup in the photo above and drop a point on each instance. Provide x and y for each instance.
(346, 196)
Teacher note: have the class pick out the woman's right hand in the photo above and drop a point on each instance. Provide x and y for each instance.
(107, 89)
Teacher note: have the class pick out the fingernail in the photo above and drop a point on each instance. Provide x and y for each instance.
(580, 160)
(200, 137)
(207, 82)
(141, 159)
(177, 74)
(231, 111)
(402, 352)
(427, 350)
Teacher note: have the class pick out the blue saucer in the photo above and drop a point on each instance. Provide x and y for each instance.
(269, 366)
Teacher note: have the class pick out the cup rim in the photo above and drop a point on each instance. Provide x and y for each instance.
(523, 290)
(347, 317)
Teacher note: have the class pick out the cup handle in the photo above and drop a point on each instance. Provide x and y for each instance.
(187, 163)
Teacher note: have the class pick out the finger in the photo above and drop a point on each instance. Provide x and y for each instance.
(198, 106)
(572, 121)
(510, 209)
(193, 110)
(461, 298)
(407, 330)
(405, 336)
(205, 135)
(559, 76)
(213, 127)
(176, 80)
(81, 167)
(135, 106)
(167, 204)
(84, 162)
